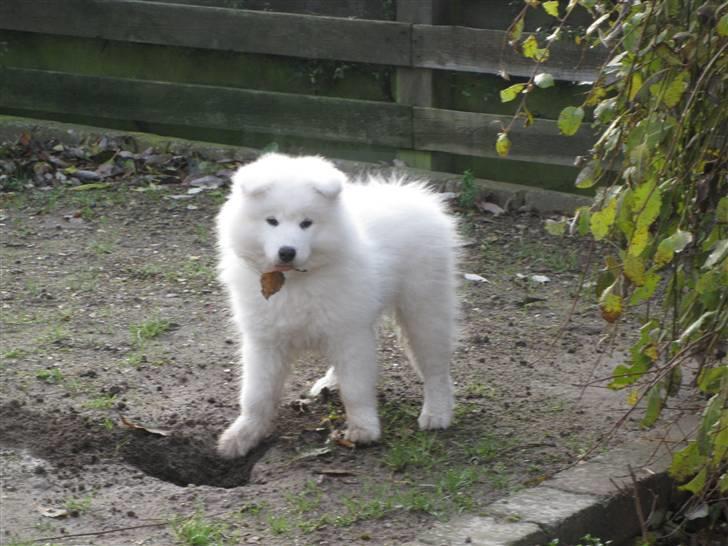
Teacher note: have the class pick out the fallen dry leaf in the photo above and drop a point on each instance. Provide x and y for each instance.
(338, 437)
(52, 512)
(134, 426)
(271, 282)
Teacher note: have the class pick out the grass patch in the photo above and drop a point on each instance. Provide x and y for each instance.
(52, 376)
(104, 402)
(198, 531)
(147, 330)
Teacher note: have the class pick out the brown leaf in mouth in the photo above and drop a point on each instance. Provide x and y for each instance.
(271, 282)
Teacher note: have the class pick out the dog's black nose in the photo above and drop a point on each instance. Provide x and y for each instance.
(286, 253)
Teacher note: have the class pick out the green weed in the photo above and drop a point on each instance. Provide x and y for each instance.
(196, 531)
(104, 402)
(149, 329)
(52, 376)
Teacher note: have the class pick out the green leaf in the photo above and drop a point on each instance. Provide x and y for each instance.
(551, 7)
(624, 375)
(654, 407)
(710, 378)
(721, 211)
(570, 120)
(646, 291)
(686, 462)
(544, 80)
(719, 250)
(671, 245)
(510, 93)
(603, 219)
(503, 144)
(532, 51)
(697, 484)
(555, 227)
(671, 93)
(583, 220)
(694, 327)
(723, 25)
(588, 176)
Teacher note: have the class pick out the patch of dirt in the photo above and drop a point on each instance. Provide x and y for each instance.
(110, 308)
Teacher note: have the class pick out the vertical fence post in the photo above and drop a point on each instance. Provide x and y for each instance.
(414, 86)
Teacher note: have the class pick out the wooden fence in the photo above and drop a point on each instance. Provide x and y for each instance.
(414, 122)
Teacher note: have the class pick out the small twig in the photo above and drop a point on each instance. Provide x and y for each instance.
(96, 533)
(638, 504)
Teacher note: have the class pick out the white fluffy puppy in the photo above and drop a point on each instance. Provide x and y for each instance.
(350, 251)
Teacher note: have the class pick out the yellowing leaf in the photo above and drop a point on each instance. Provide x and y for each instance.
(633, 397)
(570, 120)
(532, 51)
(503, 144)
(517, 30)
(651, 352)
(551, 7)
(650, 211)
(510, 93)
(639, 240)
(634, 269)
(603, 219)
(610, 304)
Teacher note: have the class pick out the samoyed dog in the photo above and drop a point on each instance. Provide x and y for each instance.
(348, 252)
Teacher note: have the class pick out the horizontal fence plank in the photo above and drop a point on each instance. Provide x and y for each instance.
(467, 133)
(367, 41)
(481, 50)
(325, 118)
(362, 9)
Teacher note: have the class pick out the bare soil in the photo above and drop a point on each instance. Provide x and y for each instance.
(109, 307)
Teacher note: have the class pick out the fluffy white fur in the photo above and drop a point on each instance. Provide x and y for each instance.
(373, 246)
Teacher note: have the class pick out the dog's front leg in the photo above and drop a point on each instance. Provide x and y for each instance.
(354, 358)
(264, 373)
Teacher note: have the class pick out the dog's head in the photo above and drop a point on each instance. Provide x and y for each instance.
(283, 213)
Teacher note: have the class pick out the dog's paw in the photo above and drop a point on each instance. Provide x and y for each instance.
(239, 438)
(362, 435)
(429, 421)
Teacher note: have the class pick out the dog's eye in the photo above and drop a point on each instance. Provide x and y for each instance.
(272, 221)
(306, 224)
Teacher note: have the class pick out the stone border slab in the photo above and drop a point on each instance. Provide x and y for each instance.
(596, 497)
(507, 195)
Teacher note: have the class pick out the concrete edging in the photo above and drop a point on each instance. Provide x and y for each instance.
(596, 497)
(509, 196)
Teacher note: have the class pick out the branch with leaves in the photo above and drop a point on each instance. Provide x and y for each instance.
(660, 170)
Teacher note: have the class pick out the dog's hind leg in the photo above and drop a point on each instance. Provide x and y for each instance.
(328, 381)
(428, 341)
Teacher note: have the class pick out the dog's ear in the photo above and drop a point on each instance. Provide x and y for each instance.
(330, 187)
(247, 179)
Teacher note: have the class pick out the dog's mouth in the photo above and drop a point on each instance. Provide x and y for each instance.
(282, 268)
